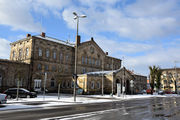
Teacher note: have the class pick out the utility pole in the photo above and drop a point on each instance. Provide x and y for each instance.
(112, 78)
(76, 17)
(102, 77)
(45, 78)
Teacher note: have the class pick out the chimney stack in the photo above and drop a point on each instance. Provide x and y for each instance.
(92, 39)
(78, 40)
(106, 53)
(28, 35)
(43, 34)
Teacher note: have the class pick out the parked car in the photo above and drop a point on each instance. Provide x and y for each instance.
(23, 93)
(160, 92)
(148, 91)
(3, 98)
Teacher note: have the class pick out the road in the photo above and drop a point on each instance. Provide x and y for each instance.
(164, 108)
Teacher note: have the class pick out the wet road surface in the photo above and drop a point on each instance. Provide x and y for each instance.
(165, 108)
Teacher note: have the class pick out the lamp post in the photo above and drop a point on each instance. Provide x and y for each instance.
(76, 17)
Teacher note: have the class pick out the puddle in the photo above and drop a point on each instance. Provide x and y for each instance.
(34, 103)
(1, 106)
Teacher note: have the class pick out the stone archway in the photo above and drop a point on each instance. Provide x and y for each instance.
(119, 80)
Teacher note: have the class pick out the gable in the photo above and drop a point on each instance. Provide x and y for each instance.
(90, 48)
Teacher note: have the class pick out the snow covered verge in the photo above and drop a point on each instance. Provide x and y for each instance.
(67, 99)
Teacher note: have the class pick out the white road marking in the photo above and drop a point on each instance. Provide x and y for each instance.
(75, 116)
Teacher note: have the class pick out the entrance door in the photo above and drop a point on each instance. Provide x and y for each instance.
(37, 85)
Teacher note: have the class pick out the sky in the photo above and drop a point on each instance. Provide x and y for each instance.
(140, 32)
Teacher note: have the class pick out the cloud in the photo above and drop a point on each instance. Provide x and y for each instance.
(123, 47)
(4, 49)
(139, 20)
(163, 57)
(17, 14)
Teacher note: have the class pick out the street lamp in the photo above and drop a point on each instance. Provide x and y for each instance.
(76, 17)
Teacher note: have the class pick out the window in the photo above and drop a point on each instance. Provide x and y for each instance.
(47, 53)
(82, 59)
(90, 61)
(27, 51)
(72, 84)
(54, 68)
(92, 85)
(40, 52)
(52, 82)
(67, 58)
(98, 85)
(14, 54)
(54, 54)
(46, 67)
(39, 67)
(67, 84)
(85, 60)
(37, 84)
(20, 52)
(66, 69)
(97, 62)
(93, 61)
(60, 69)
(107, 65)
(61, 57)
(63, 84)
(84, 70)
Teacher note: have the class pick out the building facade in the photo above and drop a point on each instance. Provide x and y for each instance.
(170, 79)
(12, 73)
(55, 57)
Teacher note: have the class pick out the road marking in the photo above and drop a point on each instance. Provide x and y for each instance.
(75, 116)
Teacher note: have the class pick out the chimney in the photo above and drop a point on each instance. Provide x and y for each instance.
(92, 39)
(106, 53)
(28, 35)
(78, 40)
(43, 34)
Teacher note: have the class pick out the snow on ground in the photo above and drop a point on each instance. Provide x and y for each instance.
(68, 99)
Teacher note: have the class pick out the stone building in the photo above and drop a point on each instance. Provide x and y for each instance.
(55, 57)
(11, 72)
(170, 79)
(140, 83)
(91, 82)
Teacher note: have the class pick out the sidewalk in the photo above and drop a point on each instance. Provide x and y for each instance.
(51, 99)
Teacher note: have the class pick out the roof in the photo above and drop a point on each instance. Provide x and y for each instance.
(103, 72)
(55, 40)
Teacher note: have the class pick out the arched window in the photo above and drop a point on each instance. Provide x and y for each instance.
(82, 59)
(39, 66)
(98, 85)
(61, 57)
(54, 54)
(40, 52)
(47, 53)
(20, 52)
(90, 61)
(27, 51)
(92, 84)
(52, 82)
(14, 53)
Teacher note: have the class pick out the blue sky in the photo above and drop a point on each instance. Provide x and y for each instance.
(144, 32)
